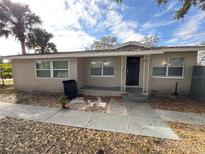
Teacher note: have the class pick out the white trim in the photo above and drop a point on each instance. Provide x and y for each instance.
(102, 67)
(148, 64)
(167, 69)
(121, 82)
(51, 69)
(125, 74)
(167, 77)
(143, 81)
(88, 54)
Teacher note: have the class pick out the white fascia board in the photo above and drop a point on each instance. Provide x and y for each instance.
(89, 54)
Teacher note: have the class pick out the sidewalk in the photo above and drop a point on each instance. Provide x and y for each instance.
(133, 124)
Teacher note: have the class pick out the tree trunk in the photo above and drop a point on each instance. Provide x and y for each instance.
(23, 48)
(3, 84)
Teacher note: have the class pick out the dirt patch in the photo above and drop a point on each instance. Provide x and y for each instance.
(182, 104)
(23, 136)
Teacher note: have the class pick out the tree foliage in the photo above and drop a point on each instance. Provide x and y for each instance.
(39, 40)
(105, 42)
(17, 20)
(185, 6)
(5, 72)
(151, 40)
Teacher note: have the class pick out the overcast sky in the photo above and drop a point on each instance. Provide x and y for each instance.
(76, 23)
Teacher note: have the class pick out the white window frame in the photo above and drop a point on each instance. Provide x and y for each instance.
(51, 69)
(36, 69)
(166, 76)
(102, 68)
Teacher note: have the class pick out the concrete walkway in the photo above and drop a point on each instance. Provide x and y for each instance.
(184, 117)
(117, 108)
(133, 123)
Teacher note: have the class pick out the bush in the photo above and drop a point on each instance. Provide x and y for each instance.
(62, 100)
(5, 71)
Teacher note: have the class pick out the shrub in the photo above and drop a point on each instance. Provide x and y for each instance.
(5, 72)
(62, 100)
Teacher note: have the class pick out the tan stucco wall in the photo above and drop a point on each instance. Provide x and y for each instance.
(167, 85)
(114, 81)
(81, 69)
(111, 81)
(25, 76)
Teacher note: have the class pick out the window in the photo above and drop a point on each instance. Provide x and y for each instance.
(108, 67)
(43, 69)
(175, 66)
(102, 67)
(52, 69)
(60, 69)
(96, 67)
(170, 67)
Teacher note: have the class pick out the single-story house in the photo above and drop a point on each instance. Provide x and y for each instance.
(130, 65)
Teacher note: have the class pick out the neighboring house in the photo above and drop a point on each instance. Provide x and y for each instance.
(154, 69)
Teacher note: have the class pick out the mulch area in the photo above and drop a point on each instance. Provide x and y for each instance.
(48, 100)
(9, 95)
(180, 103)
(90, 103)
(23, 136)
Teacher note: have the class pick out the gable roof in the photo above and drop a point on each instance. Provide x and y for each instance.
(132, 43)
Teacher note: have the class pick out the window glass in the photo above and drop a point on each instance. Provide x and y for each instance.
(60, 64)
(60, 73)
(175, 71)
(108, 67)
(96, 67)
(59, 69)
(176, 62)
(159, 71)
(43, 73)
(43, 65)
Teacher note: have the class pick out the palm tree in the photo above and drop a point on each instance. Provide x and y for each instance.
(118, 1)
(39, 40)
(16, 19)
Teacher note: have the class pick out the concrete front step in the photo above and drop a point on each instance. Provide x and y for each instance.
(100, 92)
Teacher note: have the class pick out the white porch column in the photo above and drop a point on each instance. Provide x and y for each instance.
(148, 68)
(143, 81)
(122, 68)
(146, 72)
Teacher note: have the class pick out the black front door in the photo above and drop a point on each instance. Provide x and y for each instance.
(133, 67)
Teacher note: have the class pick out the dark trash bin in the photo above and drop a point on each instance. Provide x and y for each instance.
(70, 89)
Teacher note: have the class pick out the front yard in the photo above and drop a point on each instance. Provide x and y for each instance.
(179, 103)
(23, 136)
